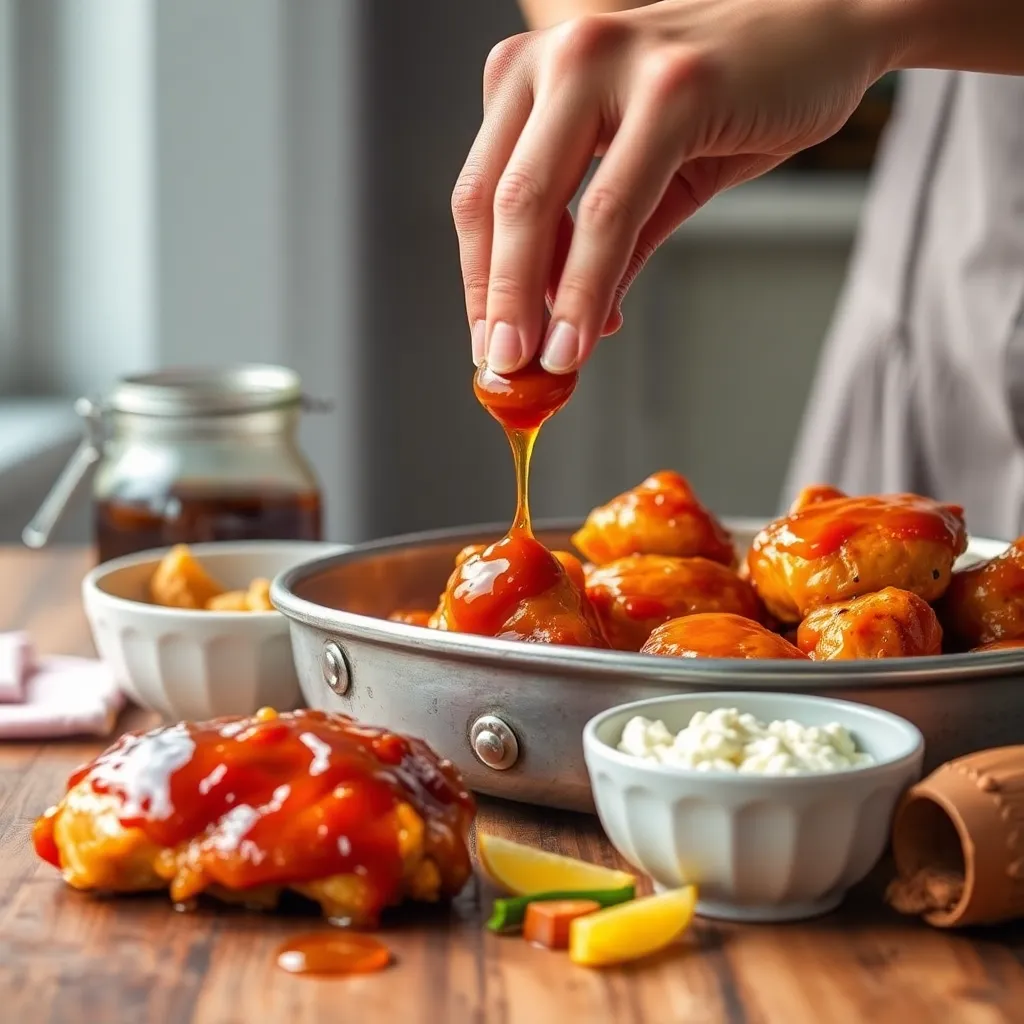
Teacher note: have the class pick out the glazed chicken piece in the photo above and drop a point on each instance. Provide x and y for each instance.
(661, 516)
(890, 624)
(985, 603)
(719, 635)
(438, 619)
(838, 549)
(813, 495)
(1000, 645)
(634, 594)
(411, 617)
(515, 589)
(353, 817)
(181, 582)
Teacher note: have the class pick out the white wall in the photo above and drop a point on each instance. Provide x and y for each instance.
(8, 187)
(85, 180)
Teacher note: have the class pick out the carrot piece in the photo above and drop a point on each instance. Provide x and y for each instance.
(547, 923)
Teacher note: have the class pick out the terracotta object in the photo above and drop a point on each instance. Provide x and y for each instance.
(958, 842)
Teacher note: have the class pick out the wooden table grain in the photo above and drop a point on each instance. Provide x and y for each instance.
(70, 958)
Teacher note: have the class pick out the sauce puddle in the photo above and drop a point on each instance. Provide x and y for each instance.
(324, 954)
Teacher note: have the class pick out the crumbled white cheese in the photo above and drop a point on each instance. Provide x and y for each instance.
(724, 740)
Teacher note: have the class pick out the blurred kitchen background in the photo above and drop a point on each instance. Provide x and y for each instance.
(208, 181)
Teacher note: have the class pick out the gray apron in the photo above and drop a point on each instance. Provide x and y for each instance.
(921, 383)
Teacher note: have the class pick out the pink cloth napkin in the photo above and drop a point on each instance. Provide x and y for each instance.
(15, 666)
(62, 696)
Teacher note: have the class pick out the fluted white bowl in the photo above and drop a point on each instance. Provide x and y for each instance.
(189, 664)
(759, 847)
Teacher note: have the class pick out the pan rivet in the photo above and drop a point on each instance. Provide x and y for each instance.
(332, 661)
(494, 743)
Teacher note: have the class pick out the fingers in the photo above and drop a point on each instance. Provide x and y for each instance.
(508, 98)
(676, 205)
(543, 173)
(622, 196)
(563, 241)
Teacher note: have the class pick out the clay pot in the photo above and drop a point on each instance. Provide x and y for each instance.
(958, 841)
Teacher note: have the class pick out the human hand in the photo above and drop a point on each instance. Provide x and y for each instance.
(681, 99)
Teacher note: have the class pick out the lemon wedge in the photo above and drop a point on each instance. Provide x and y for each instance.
(631, 930)
(524, 870)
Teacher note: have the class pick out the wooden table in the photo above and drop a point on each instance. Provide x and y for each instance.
(68, 958)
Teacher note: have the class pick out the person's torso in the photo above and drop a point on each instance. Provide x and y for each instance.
(930, 331)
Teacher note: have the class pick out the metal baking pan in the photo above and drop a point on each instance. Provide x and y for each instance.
(511, 715)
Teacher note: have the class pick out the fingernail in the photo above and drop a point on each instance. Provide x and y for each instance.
(479, 337)
(562, 348)
(504, 350)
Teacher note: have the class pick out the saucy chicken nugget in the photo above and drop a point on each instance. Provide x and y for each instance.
(411, 618)
(257, 597)
(634, 594)
(181, 582)
(889, 624)
(985, 602)
(661, 516)
(573, 568)
(813, 495)
(229, 601)
(718, 635)
(835, 550)
(1000, 645)
(353, 817)
(516, 589)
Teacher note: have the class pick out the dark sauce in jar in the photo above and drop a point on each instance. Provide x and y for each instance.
(192, 516)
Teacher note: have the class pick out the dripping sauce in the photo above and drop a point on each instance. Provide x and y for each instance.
(822, 528)
(487, 591)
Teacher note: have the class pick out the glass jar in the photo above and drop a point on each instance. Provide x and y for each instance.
(192, 455)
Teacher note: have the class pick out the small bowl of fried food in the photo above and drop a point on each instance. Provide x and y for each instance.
(190, 632)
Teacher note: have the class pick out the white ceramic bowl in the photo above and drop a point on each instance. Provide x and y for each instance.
(759, 848)
(197, 664)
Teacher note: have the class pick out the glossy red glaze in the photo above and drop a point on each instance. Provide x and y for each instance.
(525, 399)
(719, 635)
(42, 838)
(985, 603)
(633, 595)
(487, 587)
(518, 590)
(282, 799)
(660, 516)
(814, 495)
(336, 952)
(822, 528)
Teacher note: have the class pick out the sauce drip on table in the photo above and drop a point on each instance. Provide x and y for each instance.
(516, 588)
(823, 527)
(284, 800)
(323, 953)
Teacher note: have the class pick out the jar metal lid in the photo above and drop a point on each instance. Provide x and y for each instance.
(206, 391)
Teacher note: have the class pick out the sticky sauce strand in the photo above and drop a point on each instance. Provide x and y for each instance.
(516, 588)
(521, 402)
